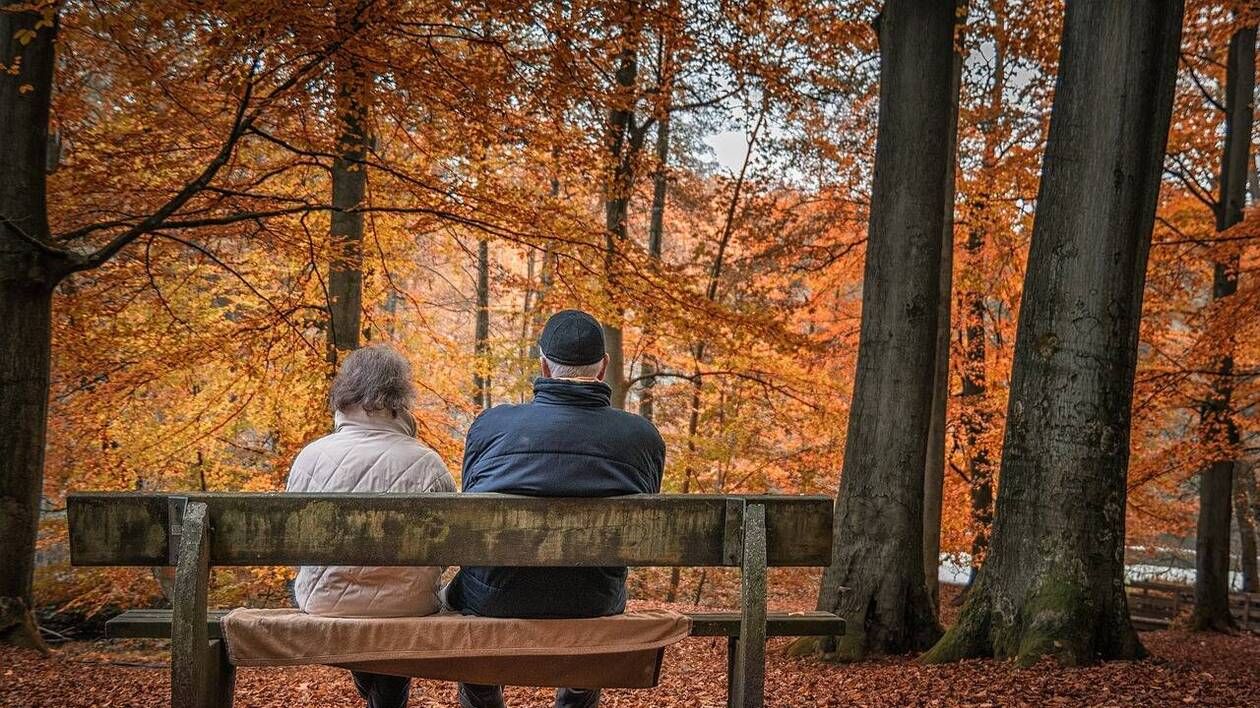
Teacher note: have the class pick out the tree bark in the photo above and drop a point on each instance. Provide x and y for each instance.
(1216, 484)
(875, 580)
(623, 144)
(349, 185)
(975, 416)
(934, 469)
(28, 276)
(481, 334)
(1053, 583)
(656, 237)
(1245, 499)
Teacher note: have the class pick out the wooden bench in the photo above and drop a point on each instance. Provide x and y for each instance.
(196, 531)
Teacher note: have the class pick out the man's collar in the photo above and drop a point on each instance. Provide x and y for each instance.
(572, 392)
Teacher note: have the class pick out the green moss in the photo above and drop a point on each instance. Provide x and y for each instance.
(1051, 622)
(969, 637)
(805, 646)
(849, 648)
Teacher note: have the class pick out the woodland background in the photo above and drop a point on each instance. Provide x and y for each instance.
(442, 176)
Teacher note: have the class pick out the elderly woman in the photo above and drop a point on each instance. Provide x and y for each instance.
(372, 449)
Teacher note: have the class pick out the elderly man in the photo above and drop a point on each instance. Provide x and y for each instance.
(568, 442)
(372, 448)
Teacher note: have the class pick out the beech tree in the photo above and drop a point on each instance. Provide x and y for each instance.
(934, 467)
(33, 260)
(28, 273)
(876, 580)
(1216, 483)
(1053, 580)
(481, 328)
(353, 85)
(623, 140)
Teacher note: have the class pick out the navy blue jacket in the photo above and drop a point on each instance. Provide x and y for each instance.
(567, 443)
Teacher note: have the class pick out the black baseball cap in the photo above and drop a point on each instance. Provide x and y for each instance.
(572, 338)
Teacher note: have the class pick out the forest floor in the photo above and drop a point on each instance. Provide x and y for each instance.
(1183, 669)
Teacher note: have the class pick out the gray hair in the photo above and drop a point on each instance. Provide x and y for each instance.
(565, 371)
(374, 378)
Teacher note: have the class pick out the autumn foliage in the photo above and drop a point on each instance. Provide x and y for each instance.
(729, 253)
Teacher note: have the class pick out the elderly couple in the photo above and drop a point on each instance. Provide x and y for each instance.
(568, 442)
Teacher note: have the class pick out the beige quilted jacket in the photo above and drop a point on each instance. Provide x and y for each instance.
(368, 452)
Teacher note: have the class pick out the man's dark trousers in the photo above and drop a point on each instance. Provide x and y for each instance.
(382, 691)
(474, 696)
(568, 442)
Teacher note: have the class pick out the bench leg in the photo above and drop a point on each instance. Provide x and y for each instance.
(190, 658)
(220, 674)
(747, 689)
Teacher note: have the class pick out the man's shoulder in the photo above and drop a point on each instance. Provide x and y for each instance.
(636, 424)
(502, 411)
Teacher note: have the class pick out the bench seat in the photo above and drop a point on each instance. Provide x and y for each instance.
(156, 624)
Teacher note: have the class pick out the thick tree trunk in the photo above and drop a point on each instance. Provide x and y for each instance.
(1216, 485)
(481, 333)
(934, 468)
(349, 185)
(1053, 583)
(1245, 499)
(25, 314)
(27, 278)
(875, 580)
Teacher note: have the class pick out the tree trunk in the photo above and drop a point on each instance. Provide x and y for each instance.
(1053, 583)
(481, 335)
(27, 278)
(656, 236)
(623, 143)
(875, 580)
(975, 417)
(934, 469)
(349, 185)
(1216, 485)
(1245, 499)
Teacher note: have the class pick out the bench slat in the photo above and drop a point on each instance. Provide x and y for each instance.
(156, 624)
(447, 529)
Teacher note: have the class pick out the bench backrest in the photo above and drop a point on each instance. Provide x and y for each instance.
(449, 529)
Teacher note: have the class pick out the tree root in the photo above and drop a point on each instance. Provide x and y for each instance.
(17, 626)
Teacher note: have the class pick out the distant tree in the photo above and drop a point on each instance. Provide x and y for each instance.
(1246, 500)
(1216, 482)
(352, 82)
(1053, 580)
(623, 141)
(481, 333)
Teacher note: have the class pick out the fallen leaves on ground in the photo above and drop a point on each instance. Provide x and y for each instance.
(1184, 669)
